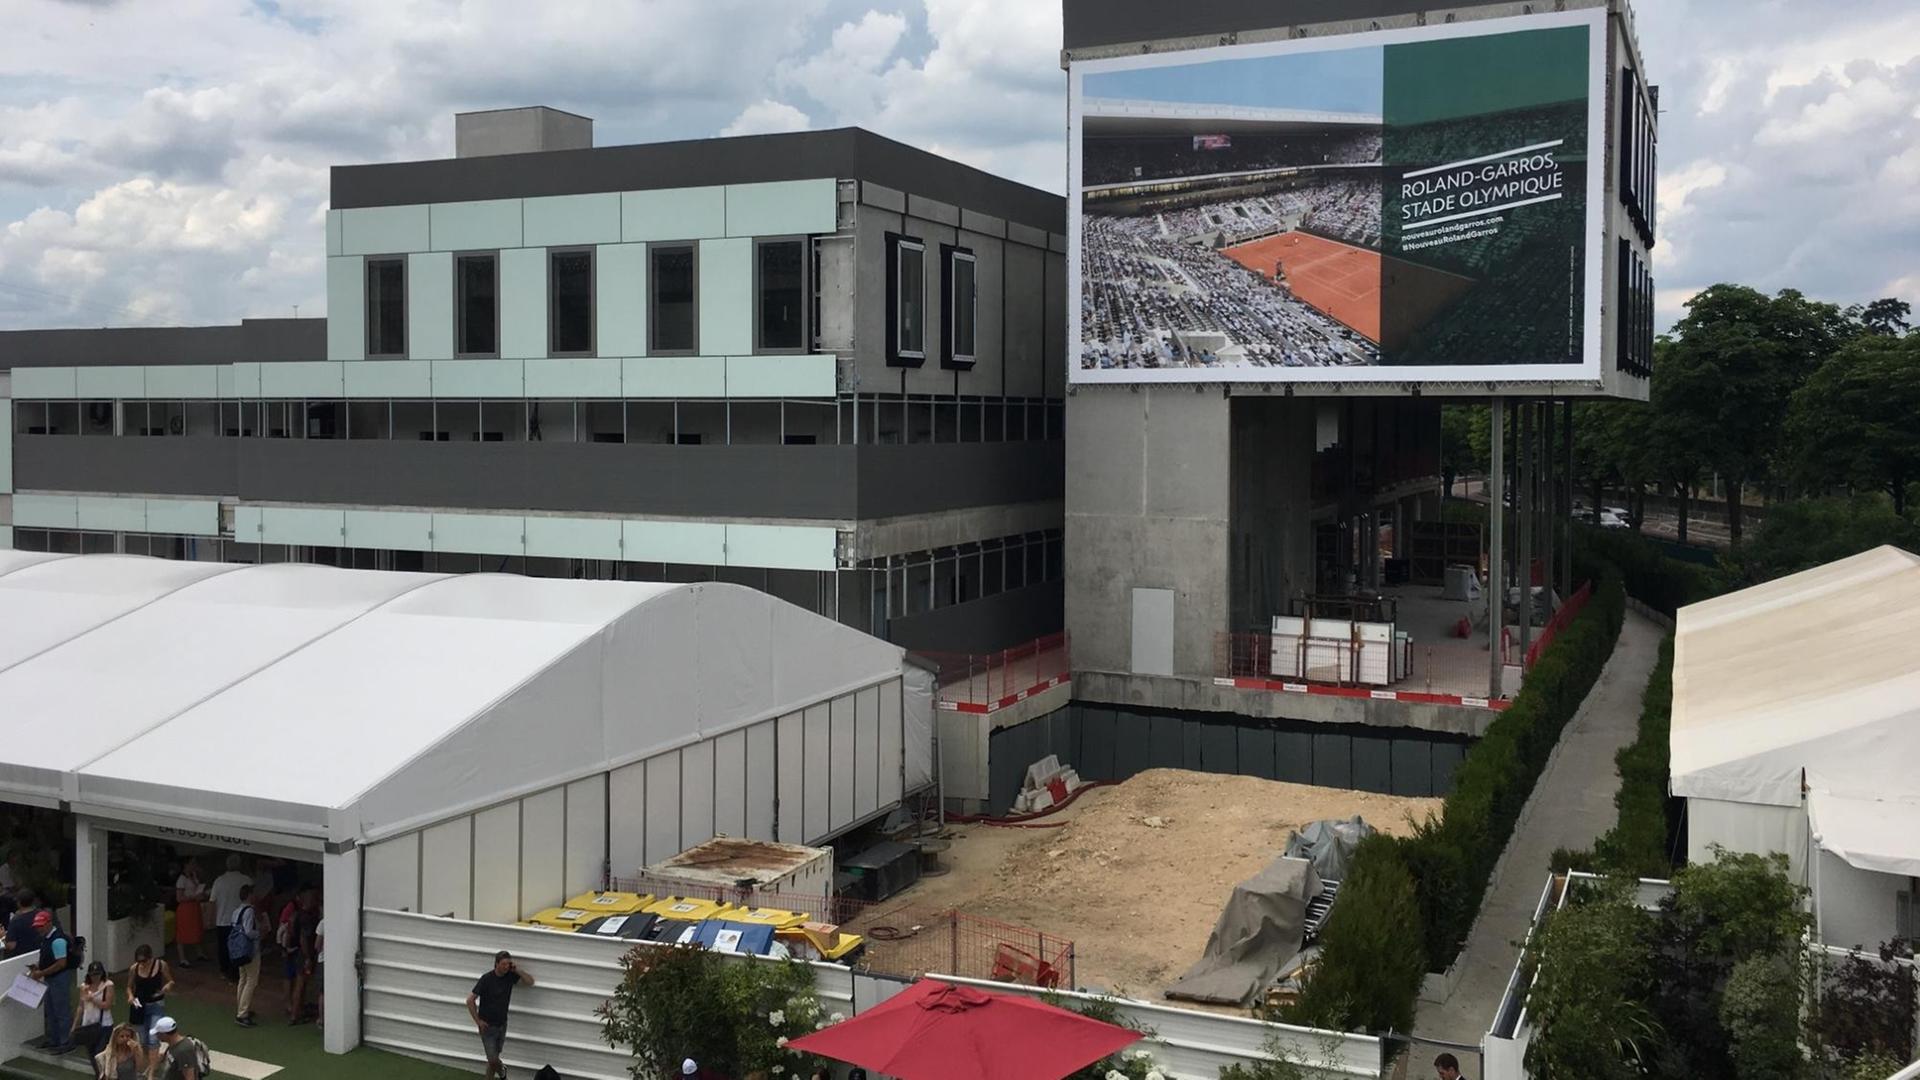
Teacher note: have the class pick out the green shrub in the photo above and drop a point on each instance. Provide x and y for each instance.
(1588, 1005)
(1760, 1011)
(1640, 842)
(1662, 583)
(1371, 963)
(1740, 905)
(731, 1015)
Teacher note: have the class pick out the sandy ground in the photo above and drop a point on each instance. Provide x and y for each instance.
(1137, 901)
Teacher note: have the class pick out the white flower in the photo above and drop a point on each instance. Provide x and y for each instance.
(778, 1069)
(1116, 1074)
(781, 1042)
(837, 1017)
(1137, 1055)
(776, 1017)
(1156, 1074)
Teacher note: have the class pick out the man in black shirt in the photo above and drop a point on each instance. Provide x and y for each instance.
(487, 1004)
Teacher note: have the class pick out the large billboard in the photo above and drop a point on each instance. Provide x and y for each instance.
(1403, 206)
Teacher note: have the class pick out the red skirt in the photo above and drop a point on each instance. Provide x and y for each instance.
(188, 929)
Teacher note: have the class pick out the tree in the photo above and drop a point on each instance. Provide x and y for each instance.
(1594, 978)
(1854, 422)
(1458, 455)
(1371, 959)
(1885, 317)
(1813, 532)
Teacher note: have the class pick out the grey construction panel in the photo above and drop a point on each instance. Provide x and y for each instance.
(1166, 747)
(1446, 758)
(730, 784)
(1220, 749)
(147, 466)
(816, 777)
(696, 793)
(866, 752)
(1333, 760)
(1098, 731)
(1130, 749)
(1255, 753)
(1412, 766)
(663, 807)
(1089, 23)
(893, 479)
(254, 341)
(762, 780)
(842, 153)
(790, 749)
(1190, 738)
(1293, 757)
(1373, 763)
(1060, 740)
(838, 775)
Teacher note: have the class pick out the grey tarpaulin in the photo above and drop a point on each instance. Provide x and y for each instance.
(1329, 845)
(1258, 932)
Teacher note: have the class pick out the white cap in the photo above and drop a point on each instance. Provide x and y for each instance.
(688, 1068)
(164, 1025)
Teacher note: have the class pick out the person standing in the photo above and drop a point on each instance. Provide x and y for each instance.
(244, 948)
(93, 1022)
(53, 970)
(22, 938)
(320, 965)
(121, 1060)
(148, 983)
(487, 1003)
(1447, 1067)
(301, 954)
(226, 905)
(181, 1054)
(189, 922)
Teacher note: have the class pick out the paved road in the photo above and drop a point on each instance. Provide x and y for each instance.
(1571, 806)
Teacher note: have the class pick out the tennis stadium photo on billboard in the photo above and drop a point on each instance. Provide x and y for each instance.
(1417, 205)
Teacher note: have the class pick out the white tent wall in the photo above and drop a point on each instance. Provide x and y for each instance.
(1756, 828)
(1857, 907)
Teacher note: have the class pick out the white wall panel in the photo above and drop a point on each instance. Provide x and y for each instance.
(586, 845)
(392, 874)
(892, 751)
(782, 547)
(782, 207)
(840, 791)
(479, 378)
(573, 538)
(246, 523)
(399, 531)
(188, 381)
(866, 752)
(523, 303)
(673, 214)
(113, 381)
(692, 543)
(762, 780)
(674, 376)
(46, 382)
(696, 794)
(333, 232)
(475, 226)
(108, 513)
(496, 864)
(726, 297)
(193, 517)
(816, 779)
(663, 806)
(390, 379)
(566, 220)
(574, 377)
(791, 786)
(383, 230)
(730, 784)
(479, 534)
(626, 820)
(430, 306)
(543, 850)
(243, 380)
(446, 869)
(303, 379)
(290, 525)
(813, 375)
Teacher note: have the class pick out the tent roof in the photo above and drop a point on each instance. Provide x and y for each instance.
(346, 704)
(1869, 833)
(1818, 671)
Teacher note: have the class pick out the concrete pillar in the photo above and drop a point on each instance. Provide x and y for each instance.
(1549, 499)
(1523, 505)
(1566, 506)
(1496, 552)
(90, 885)
(340, 894)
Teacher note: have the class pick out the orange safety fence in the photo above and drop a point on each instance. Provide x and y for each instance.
(989, 678)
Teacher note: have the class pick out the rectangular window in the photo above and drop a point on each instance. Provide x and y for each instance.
(386, 308)
(957, 307)
(906, 301)
(780, 296)
(476, 305)
(672, 300)
(570, 302)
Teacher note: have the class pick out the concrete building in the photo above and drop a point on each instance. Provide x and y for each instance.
(825, 365)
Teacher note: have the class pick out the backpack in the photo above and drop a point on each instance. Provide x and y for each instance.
(239, 943)
(202, 1058)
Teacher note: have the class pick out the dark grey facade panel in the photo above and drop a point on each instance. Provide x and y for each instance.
(841, 153)
(1091, 23)
(1166, 742)
(145, 466)
(925, 478)
(1255, 753)
(985, 625)
(253, 341)
(1293, 756)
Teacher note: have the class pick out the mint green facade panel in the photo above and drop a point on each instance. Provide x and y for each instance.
(333, 232)
(107, 513)
(303, 379)
(346, 308)
(389, 379)
(240, 381)
(430, 306)
(811, 375)
(185, 381)
(383, 230)
(783, 207)
(479, 378)
(573, 538)
(673, 214)
(620, 299)
(675, 376)
(781, 547)
(564, 220)
(45, 511)
(726, 297)
(475, 226)
(523, 303)
(479, 534)
(299, 525)
(43, 382)
(186, 517)
(246, 524)
(111, 382)
(584, 377)
(6, 447)
(389, 530)
(692, 543)
(6, 538)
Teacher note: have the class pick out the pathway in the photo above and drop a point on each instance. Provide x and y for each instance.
(1571, 806)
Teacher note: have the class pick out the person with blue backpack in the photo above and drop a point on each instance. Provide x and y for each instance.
(243, 949)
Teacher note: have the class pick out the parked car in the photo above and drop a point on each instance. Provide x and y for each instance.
(1612, 520)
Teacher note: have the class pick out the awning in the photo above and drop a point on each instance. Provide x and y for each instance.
(1875, 834)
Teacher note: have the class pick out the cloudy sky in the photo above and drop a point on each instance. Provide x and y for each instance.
(166, 163)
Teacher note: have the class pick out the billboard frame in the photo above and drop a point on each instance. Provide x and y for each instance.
(1583, 377)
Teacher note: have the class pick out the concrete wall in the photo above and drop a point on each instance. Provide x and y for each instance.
(1149, 507)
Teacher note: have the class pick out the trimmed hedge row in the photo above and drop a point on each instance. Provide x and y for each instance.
(1450, 859)
(1657, 580)
(1639, 842)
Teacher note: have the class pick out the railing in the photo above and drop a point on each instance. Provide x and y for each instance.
(989, 679)
(1558, 622)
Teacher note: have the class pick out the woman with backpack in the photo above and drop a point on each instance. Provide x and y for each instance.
(93, 1016)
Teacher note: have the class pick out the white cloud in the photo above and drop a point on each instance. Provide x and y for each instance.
(766, 117)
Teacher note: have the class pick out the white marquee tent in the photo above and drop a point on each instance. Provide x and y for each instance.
(313, 710)
(1799, 700)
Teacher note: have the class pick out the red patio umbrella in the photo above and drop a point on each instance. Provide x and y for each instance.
(938, 1031)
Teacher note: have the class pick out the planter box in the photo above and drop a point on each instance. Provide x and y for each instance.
(126, 935)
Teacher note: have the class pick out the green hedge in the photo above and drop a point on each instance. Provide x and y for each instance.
(1370, 966)
(1657, 580)
(1639, 843)
(1450, 859)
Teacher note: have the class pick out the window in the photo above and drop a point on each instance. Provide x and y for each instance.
(476, 305)
(780, 296)
(957, 307)
(671, 300)
(386, 308)
(906, 301)
(570, 302)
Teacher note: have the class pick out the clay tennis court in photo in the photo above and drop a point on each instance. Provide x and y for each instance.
(1344, 281)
